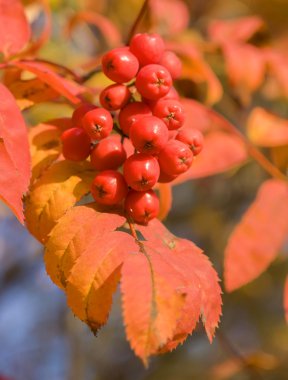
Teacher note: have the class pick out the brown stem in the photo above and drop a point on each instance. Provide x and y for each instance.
(90, 74)
(137, 21)
(132, 229)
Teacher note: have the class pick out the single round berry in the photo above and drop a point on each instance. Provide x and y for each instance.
(149, 135)
(166, 178)
(148, 48)
(131, 113)
(109, 153)
(109, 187)
(172, 64)
(79, 112)
(141, 171)
(191, 137)
(175, 158)
(115, 96)
(171, 112)
(76, 144)
(98, 123)
(153, 81)
(120, 65)
(142, 206)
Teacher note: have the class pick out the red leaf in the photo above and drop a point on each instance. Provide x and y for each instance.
(152, 297)
(286, 299)
(221, 152)
(185, 257)
(197, 115)
(256, 240)
(63, 86)
(245, 78)
(266, 129)
(14, 28)
(171, 16)
(239, 30)
(14, 162)
(34, 46)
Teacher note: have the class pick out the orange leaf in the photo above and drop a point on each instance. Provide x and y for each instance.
(266, 129)
(279, 156)
(63, 86)
(14, 162)
(30, 92)
(256, 240)
(106, 27)
(95, 275)
(239, 30)
(59, 188)
(286, 299)
(45, 33)
(69, 238)
(196, 69)
(165, 198)
(14, 28)
(278, 69)
(45, 147)
(153, 294)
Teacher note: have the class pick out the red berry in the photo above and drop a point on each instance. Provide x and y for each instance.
(175, 158)
(171, 112)
(191, 137)
(98, 123)
(153, 81)
(142, 206)
(148, 48)
(149, 135)
(120, 65)
(76, 144)
(171, 94)
(141, 171)
(109, 187)
(79, 112)
(131, 113)
(172, 63)
(115, 96)
(108, 154)
(166, 178)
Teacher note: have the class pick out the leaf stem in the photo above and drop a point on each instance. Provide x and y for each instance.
(137, 21)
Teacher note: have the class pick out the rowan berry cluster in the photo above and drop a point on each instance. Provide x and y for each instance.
(143, 106)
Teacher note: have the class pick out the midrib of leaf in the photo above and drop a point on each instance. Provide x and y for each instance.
(154, 311)
(86, 299)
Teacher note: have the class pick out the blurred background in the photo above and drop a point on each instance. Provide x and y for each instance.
(39, 337)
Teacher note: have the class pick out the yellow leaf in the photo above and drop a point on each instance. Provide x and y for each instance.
(60, 187)
(70, 236)
(45, 147)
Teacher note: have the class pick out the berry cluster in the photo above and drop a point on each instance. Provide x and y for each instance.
(143, 106)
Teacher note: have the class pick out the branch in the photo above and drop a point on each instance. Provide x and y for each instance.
(137, 21)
